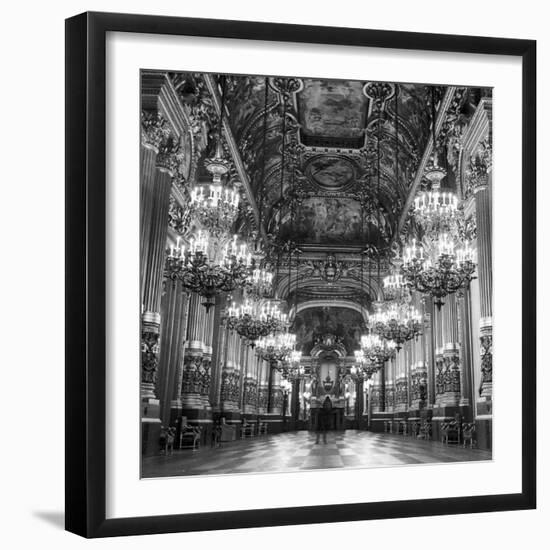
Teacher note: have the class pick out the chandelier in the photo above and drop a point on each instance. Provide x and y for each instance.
(259, 283)
(397, 321)
(254, 320)
(376, 349)
(445, 268)
(277, 348)
(436, 210)
(216, 206)
(394, 286)
(207, 267)
(363, 367)
(291, 367)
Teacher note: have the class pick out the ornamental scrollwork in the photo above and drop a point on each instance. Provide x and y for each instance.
(149, 356)
(179, 219)
(486, 342)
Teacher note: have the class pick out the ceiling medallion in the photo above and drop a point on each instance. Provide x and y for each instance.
(330, 172)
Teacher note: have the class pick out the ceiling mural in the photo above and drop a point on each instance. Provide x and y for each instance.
(331, 109)
(310, 325)
(331, 221)
(330, 171)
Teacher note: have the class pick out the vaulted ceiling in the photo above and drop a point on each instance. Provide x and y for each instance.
(326, 165)
(330, 166)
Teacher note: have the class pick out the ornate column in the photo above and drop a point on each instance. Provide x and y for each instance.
(193, 368)
(451, 353)
(230, 386)
(167, 161)
(480, 182)
(154, 130)
(173, 333)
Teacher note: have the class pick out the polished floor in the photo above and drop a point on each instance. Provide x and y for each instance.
(293, 451)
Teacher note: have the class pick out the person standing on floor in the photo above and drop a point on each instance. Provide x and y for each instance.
(323, 419)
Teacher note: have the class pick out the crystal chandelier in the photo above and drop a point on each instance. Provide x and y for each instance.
(397, 321)
(260, 283)
(363, 367)
(445, 268)
(394, 287)
(376, 349)
(254, 320)
(292, 368)
(277, 348)
(216, 205)
(207, 267)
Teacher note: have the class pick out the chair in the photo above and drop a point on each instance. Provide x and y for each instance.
(247, 429)
(450, 432)
(425, 430)
(468, 434)
(262, 428)
(228, 432)
(190, 437)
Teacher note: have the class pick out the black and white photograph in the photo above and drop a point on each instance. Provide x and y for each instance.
(316, 274)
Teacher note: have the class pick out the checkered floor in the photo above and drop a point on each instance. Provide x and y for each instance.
(294, 451)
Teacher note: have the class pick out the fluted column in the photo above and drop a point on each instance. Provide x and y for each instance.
(173, 334)
(154, 129)
(482, 193)
(166, 162)
(451, 353)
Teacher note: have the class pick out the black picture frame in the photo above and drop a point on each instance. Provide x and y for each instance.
(86, 276)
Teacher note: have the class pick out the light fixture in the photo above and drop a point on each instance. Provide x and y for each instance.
(443, 269)
(216, 205)
(396, 321)
(276, 348)
(254, 320)
(207, 266)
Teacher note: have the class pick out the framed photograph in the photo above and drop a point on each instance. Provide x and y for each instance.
(294, 255)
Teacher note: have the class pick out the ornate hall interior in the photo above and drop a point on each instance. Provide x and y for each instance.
(315, 273)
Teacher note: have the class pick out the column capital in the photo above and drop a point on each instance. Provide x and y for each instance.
(154, 129)
(169, 156)
(480, 166)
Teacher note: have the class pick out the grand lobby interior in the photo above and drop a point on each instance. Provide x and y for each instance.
(315, 274)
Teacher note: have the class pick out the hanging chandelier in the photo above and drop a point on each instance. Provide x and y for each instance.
(254, 320)
(292, 367)
(363, 366)
(445, 268)
(397, 321)
(208, 267)
(216, 205)
(260, 283)
(376, 349)
(277, 348)
(395, 287)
